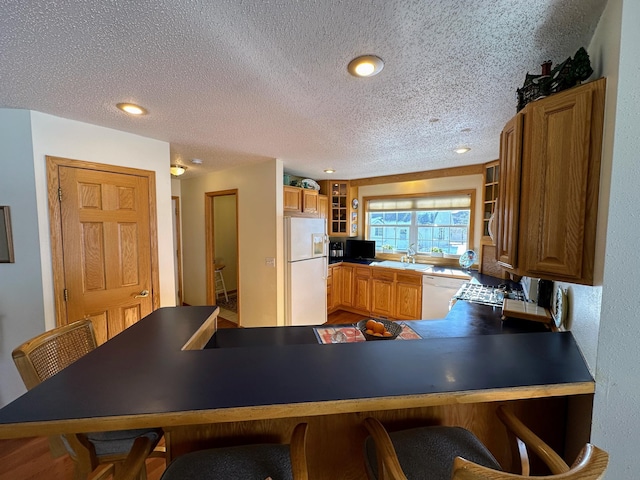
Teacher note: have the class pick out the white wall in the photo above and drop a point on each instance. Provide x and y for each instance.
(616, 421)
(585, 301)
(21, 299)
(465, 182)
(30, 136)
(259, 237)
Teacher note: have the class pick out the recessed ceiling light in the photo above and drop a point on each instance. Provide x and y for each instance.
(197, 161)
(462, 150)
(177, 170)
(329, 170)
(132, 109)
(365, 66)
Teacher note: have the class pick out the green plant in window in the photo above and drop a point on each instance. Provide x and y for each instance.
(436, 250)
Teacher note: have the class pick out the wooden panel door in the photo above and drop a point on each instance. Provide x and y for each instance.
(361, 292)
(106, 248)
(557, 180)
(309, 201)
(336, 290)
(408, 301)
(382, 297)
(347, 285)
(508, 212)
(291, 201)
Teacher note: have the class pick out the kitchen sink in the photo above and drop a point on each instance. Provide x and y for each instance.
(419, 267)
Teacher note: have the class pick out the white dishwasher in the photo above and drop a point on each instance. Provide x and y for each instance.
(436, 295)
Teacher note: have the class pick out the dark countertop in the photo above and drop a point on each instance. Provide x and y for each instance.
(480, 278)
(464, 319)
(142, 378)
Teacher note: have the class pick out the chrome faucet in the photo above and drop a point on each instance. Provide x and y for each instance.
(411, 254)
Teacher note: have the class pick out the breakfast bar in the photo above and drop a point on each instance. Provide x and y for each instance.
(145, 377)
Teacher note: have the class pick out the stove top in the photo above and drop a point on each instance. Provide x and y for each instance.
(487, 294)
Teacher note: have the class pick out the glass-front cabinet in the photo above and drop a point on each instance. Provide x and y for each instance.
(492, 176)
(342, 215)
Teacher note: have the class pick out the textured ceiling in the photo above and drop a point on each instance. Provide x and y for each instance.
(236, 81)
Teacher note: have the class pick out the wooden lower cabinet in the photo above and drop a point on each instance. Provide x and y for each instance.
(361, 278)
(334, 288)
(383, 294)
(347, 285)
(377, 292)
(408, 297)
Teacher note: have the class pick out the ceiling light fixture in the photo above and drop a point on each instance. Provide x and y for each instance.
(132, 108)
(365, 66)
(462, 150)
(177, 170)
(196, 161)
(329, 170)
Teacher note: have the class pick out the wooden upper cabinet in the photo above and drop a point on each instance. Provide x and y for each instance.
(309, 201)
(300, 201)
(489, 199)
(509, 192)
(291, 201)
(342, 217)
(550, 203)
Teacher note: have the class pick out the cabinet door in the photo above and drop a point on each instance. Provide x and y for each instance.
(509, 196)
(382, 297)
(408, 304)
(336, 291)
(323, 206)
(361, 293)
(291, 199)
(309, 201)
(560, 181)
(347, 285)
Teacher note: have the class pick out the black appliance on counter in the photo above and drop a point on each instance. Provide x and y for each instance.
(336, 250)
(360, 249)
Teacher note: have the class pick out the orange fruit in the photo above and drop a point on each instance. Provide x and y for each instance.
(368, 331)
(370, 323)
(377, 334)
(387, 333)
(378, 328)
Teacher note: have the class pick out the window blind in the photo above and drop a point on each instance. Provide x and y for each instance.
(420, 203)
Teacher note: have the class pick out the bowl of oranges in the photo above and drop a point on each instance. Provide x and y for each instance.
(379, 329)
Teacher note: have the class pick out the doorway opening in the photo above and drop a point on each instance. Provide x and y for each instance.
(221, 227)
(177, 244)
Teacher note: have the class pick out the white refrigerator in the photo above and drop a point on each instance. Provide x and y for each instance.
(305, 243)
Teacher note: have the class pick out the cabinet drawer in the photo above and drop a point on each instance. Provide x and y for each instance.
(410, 278)
(383, 274)
(362, 271)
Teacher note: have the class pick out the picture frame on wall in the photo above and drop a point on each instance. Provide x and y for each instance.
(6, 240)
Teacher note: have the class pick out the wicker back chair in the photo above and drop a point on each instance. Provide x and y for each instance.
(47, 354)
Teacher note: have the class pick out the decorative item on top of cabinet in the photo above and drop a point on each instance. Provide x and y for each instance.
(550, 173)
(300, 201)
(342, 218)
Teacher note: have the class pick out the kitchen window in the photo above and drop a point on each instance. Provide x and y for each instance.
(429, 223)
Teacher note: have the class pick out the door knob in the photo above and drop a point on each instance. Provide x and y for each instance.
(143, 294)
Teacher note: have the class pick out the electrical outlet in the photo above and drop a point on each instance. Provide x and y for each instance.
(270, 262)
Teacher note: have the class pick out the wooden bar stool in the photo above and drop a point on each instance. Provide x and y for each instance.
(220, 287)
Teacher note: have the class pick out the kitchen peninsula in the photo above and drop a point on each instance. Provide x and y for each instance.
(143, 377)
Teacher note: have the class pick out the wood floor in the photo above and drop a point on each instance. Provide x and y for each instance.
(29, 458)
